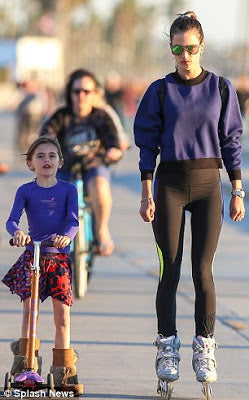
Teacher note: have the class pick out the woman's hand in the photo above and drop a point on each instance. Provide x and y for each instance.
(147, 209)
(61, 241)
(237, 208)
(113, 155)
(20, 239)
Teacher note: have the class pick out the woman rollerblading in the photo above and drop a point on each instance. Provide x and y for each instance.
(192, 119)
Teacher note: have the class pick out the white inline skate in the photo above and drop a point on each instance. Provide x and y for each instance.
(204, 363)
(167, 364)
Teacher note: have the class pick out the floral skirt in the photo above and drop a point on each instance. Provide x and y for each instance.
(55, 277)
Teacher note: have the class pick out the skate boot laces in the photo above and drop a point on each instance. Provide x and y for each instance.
(168, 357)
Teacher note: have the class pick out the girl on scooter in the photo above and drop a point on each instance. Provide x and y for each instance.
(51, 208)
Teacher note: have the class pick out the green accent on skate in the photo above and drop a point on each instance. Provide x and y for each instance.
(160, 256)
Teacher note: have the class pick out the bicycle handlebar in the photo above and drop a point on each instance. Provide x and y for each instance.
(44, 243)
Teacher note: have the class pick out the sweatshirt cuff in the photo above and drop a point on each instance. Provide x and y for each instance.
(234, 174)
(146, 175)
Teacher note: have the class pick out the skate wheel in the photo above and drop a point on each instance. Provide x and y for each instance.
(207, 390)
(7, 381)
(165, 389)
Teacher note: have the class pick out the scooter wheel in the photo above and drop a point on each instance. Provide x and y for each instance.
(50, 382)
(7, 381)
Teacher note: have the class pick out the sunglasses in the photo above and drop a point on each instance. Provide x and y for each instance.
(77, 91)
(191, 49)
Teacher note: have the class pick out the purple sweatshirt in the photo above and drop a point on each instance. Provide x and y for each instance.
(50, 211)
(187, 136)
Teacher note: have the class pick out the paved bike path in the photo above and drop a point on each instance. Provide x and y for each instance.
(114, 326)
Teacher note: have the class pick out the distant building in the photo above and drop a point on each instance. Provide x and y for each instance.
(7, 59)
(21, 58)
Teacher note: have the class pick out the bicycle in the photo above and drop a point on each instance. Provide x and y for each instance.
(82, 248)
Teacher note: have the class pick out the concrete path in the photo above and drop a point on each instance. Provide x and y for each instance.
(114, 326)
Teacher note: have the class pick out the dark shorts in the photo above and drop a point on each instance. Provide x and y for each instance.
(55, 277)
(100, 170)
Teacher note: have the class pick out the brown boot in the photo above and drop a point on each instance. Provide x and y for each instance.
(64, 371)
(20, 351)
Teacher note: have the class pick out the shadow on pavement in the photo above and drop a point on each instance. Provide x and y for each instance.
(131, 396)
(135, 344)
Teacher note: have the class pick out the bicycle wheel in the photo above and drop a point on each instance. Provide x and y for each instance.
(90, 240)
(79, 258)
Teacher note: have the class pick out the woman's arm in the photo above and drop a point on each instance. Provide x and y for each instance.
(148, 126)
(231, 128)
(231, 131)
(237, 208)
(147, 207)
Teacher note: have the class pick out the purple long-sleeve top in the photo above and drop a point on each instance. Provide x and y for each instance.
(188, 136)
(50, 211)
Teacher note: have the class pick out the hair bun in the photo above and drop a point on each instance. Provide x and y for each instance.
(189, 14)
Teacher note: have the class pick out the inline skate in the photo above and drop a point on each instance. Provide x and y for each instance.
(167, 364)
(204, 363)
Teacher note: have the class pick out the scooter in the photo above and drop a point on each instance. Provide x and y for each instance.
(29, 379)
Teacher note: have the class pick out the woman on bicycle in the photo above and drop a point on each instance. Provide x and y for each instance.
(76, 124)
(51, 207)
(193, 137)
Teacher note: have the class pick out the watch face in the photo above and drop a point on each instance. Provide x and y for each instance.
(240, 193)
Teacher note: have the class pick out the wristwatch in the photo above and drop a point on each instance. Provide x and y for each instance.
(238, 192)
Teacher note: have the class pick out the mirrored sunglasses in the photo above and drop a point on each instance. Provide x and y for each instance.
(191, 49)
(77, 91)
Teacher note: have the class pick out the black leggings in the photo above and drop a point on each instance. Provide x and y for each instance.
(199, 192)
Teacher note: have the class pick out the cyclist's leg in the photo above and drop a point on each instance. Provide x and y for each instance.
(97, 181)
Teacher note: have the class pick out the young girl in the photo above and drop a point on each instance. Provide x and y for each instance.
(51, 207)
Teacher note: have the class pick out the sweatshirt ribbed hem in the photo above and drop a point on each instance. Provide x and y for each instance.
(234, 174)
(146, 175)
(185, 165)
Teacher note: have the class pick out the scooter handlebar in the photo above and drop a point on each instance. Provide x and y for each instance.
(44, 243)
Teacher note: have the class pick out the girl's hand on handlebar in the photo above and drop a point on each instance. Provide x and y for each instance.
(147, 209)
(61, 241)
(20, 239)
